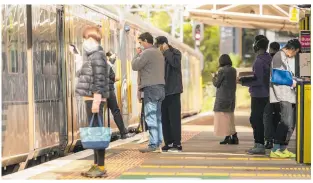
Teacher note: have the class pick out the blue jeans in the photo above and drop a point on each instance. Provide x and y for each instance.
(153, 97)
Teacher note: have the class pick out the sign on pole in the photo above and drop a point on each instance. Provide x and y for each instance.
(305, 40)
(293, 14)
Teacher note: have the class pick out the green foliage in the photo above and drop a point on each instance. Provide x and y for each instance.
(161, 20)
(210, 47)
(188, 35)
(235, 59)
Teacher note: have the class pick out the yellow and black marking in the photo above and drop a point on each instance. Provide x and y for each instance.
(303, 117)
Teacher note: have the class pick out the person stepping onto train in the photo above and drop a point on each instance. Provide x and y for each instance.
(150, 64)
(112, 102)
(171, 105)
(93, 86)
(224, 106)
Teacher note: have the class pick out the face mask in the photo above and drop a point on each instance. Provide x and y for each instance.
(89, 45)
(112, 60)
(142, 48)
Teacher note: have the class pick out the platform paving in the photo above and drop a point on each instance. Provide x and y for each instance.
(202, 158)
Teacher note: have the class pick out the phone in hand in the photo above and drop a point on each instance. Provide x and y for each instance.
(74, 49)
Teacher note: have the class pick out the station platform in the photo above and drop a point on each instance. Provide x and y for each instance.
(202, 158)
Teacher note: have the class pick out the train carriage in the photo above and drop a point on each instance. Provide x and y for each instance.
(41, 115)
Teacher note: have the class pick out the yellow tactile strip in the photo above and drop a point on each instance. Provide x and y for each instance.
(225, 158)
(227, 167)
(115, 165)
(264, 175)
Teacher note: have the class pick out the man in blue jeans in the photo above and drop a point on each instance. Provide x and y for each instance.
(149, 62)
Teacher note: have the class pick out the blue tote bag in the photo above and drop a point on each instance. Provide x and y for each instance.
(281, 77)
(95, 137)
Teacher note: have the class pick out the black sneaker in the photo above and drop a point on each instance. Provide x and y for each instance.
(176, 148)
(167, 147)
(269, 145)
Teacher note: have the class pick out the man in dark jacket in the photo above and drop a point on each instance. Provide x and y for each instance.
(112, 102)
(259, 91)
(271, 112)
(171, 106)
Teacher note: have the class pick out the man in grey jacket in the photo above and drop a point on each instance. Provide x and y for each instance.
(171, 106)
(150, 64)
(286, 97)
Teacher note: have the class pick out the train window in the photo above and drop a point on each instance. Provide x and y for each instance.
(13, 57)
(13, 68)
(112, 37)
(54, 70)
(4, 61)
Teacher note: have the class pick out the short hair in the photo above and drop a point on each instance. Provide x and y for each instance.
(293, 44)
(146, 36)
(262, 41)
(109, 53)
(161, 40)
(92, 32)
(275, 46)
(225, 60)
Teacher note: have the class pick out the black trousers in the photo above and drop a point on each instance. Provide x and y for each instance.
(113, 106)
(98, 154)
(256, 118)
(271, 118)
(171, 119)
(287, 123)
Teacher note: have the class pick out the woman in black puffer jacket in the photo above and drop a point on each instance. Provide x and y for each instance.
(93, 83)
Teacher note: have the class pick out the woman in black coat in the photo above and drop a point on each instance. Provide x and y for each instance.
(225, 82)
(93, 86)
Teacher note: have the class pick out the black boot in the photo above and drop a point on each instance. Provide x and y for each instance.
(227, 140)
(234, 139)
(269, 144)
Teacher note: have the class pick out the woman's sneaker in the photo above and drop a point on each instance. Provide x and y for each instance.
(278, 154)
(90, 172)
(96, 172)
(290, 154)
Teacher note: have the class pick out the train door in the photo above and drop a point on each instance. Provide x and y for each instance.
(135, 105)
(112, 45)
(49, 103)
(77, 17)
(124, 55)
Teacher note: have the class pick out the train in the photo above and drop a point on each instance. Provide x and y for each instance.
(41, 115)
